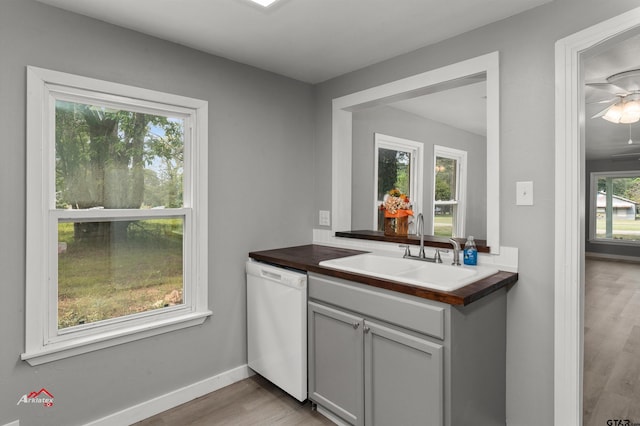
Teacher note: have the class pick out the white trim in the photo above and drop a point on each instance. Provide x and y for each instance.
(341, 148)
(460, 157)
(569, 217)
(593, 200)
(416, 150)
(43, 341)
(174, 398)
(107, 339)
(13, 423)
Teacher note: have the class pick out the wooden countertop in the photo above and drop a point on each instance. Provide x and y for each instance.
(308, 257)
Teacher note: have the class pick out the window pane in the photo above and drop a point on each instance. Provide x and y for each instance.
(443, 220)
(446, 174)
(117, 159)
(394, 171)
(113, 269)
(617, 214)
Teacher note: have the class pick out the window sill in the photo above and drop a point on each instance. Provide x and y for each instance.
(429, 240)
(104, 340)
(613, 242)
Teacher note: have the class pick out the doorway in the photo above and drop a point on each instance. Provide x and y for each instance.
(570, 233)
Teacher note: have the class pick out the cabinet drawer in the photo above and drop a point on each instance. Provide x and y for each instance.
(420, 316)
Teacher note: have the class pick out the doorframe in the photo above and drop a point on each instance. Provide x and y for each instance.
(570, 212)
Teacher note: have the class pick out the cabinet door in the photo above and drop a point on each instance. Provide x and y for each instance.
(404, 378)
(336, 362)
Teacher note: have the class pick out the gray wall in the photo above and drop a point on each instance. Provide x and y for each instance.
(394, 122)
(526, 46)
(606, 166)
(260, 152)
(261, 127)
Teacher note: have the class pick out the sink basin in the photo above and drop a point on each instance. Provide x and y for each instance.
(437, 276)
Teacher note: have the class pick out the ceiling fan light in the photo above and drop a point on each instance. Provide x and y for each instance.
(264, 3)
(630, 112)
(614, 113)
(629, 118)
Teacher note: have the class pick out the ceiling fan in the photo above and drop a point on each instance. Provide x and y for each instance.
(625, 86)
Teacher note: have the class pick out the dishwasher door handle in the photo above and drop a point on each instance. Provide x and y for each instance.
(271, 275)
(287, 278)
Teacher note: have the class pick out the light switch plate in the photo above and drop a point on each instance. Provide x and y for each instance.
(524, 193)
(325, 218)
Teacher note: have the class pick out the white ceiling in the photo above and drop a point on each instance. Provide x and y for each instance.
(605, 140)
(309, 40)
(463, 107)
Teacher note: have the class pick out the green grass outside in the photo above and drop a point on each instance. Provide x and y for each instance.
(622, 229)
(98, 282)
(443, 225)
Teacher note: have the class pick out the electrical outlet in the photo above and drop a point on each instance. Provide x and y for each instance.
(524, 193)
(325, 218)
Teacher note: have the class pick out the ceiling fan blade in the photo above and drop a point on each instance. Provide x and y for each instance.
(611, 88)
(603, 112)
(603, 101)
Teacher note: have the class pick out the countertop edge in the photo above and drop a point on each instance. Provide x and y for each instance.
(307, 258)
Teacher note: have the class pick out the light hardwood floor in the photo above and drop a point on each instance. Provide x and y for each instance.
(611, 380)
(253, 401)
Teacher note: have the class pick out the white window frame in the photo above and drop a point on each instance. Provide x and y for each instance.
(44, 342)
(461, 187)
(416, 151)
(593, 200)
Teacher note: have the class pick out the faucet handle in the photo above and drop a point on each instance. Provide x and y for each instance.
(437, 257)
(407, 249)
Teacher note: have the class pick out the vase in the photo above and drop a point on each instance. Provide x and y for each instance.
(396, 226)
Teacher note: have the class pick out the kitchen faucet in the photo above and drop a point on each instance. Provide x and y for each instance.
(420, 231)
(421, 255)
(456, 252)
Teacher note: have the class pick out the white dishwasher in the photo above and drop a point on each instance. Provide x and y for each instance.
(277, 326)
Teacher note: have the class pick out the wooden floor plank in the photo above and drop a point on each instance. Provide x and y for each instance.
(253, 401)
(611, 379)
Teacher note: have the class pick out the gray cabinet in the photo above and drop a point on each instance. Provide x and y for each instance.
(377, 357)
(404, 378)
(369, 374)
(336, 356)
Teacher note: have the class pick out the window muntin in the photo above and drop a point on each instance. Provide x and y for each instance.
(398, 164)
(615, 205)
(133, 193)
(449, 191)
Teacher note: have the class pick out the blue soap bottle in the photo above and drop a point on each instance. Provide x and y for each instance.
(470, 252)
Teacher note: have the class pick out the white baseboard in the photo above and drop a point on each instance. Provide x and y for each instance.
(172, 399)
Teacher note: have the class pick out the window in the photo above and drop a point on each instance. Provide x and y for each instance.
(449, 190)
(615, 201)
(116, 214)
(398, 164)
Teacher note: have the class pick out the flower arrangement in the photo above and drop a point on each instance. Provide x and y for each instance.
(396, 204)
(397, 209)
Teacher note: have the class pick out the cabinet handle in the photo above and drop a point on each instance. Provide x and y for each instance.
(366, 329)
(356, 325)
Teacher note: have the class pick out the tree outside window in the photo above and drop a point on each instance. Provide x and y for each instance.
(116, 214)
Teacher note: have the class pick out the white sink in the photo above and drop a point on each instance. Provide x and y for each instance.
(437, 276)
